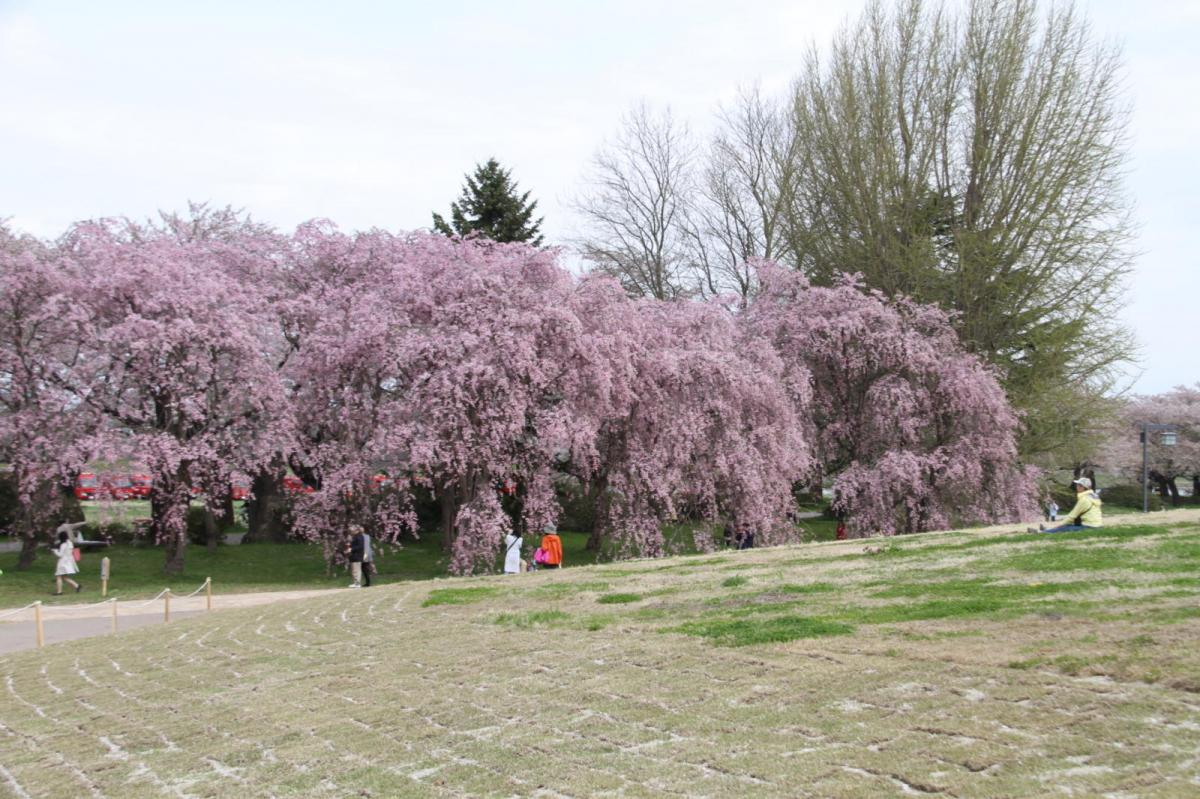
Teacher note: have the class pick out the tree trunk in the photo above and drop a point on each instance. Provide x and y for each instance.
(1195, 488)
(29, 541)
(448, 502)
(264, 512)
(176, 545)
(211, 534)
(66, 508)
(597, 498)
(169, 500)
(227, 514)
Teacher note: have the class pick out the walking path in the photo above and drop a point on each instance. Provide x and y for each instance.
(71, 622)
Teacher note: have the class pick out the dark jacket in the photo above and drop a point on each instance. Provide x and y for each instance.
(356, 549)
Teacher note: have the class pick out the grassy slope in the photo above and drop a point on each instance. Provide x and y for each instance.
(964, 664)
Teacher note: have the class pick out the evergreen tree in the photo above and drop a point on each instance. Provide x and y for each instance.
(491, 207)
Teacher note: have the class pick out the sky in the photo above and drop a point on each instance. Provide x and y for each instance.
(370, 113)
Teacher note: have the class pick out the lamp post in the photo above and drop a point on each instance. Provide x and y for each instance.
(1167, 440)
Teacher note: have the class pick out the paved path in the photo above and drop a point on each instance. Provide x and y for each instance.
(71, 622)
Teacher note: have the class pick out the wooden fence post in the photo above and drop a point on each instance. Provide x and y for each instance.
(208, 592)
(105, 565)
(167, 606)
(37, 621)
(114, 614)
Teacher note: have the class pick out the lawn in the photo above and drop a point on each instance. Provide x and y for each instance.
(961, 664)
(137, 571)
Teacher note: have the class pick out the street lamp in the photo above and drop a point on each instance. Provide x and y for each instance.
(1167, 440)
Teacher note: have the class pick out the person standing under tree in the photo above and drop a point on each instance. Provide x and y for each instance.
(355, 552)
(66, 564)
(368, 564)
(512, 553)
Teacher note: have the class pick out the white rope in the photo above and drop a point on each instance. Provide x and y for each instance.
(203, 585)
(18, 610)
(88, 606)
(155, 599)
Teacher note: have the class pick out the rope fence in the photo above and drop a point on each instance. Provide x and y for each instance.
(165, 595)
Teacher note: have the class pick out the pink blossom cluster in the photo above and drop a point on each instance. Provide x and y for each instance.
(208, 346)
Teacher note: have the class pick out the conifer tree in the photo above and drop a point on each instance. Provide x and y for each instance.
(490, 206)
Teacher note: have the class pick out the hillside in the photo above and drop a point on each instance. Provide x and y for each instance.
(967, 664)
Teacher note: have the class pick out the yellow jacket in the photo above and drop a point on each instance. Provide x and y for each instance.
(1086, 510)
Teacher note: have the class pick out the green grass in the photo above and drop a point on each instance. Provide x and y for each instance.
(533, 618)
(459, 596)
(138, 571)
(734, 582)
(773, 630)
(619, 599)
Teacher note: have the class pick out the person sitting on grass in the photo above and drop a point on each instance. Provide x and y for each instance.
(1084, 516)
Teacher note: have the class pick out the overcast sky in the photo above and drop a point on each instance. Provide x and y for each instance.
(369, 113)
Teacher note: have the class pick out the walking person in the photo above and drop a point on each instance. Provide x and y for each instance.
(66, 564)
(368, 564)
(356, 556)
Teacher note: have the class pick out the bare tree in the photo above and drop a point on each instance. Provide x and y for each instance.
(744, 194)
(635, 206)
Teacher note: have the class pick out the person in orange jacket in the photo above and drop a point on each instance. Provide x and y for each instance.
(552, 548)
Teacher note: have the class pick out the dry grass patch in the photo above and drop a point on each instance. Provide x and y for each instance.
(955, 669)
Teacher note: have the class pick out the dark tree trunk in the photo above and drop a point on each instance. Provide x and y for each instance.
(212, 535)
(448, 502)
(29, 541)
(176, 546)
(227, 515)
(1195, 488)
(597, 499)
(264, 512)
(66, 506)
(169, 500)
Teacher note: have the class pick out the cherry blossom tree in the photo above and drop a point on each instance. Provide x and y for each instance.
(40, 424)
(915, 432)
(711, 430)
(164, 341)
(450, 364)
(1179, 407)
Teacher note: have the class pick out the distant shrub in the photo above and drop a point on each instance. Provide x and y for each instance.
(1125, 496)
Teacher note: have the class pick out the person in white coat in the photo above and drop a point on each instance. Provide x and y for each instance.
(66, 563)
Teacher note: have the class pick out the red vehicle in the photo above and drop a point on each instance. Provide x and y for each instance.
(86, 485)
(140, 485)
(294, 485)
(239, 491)
(116, 486)
(89, 485)
(380, 481)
